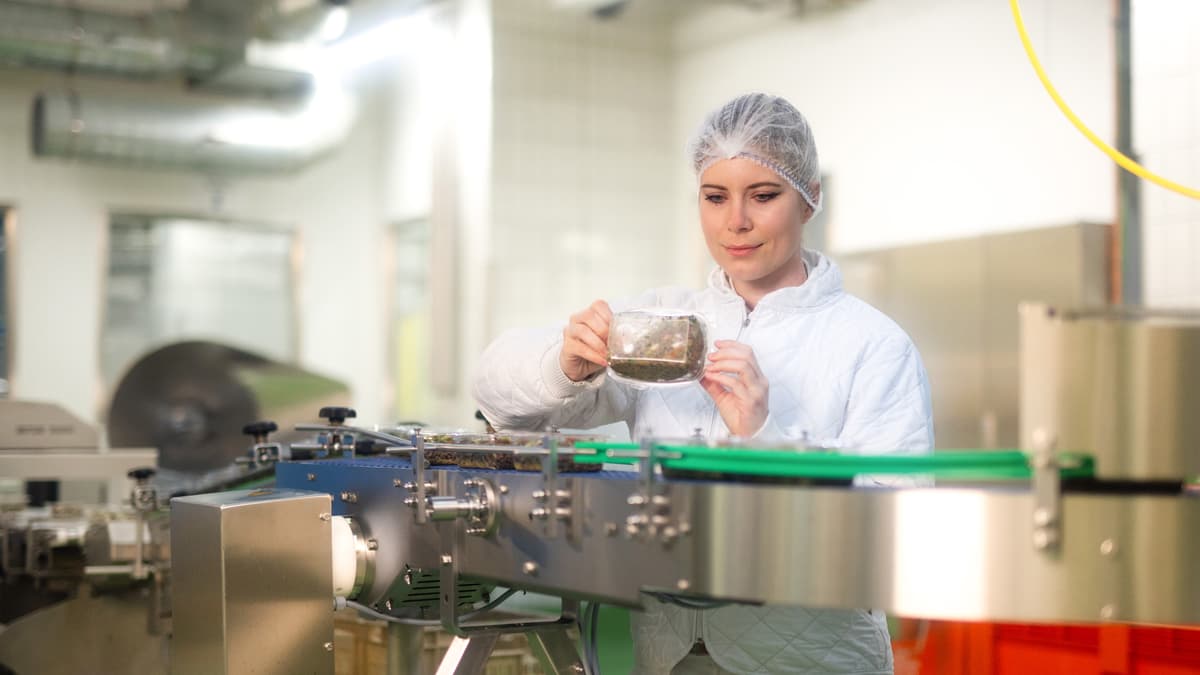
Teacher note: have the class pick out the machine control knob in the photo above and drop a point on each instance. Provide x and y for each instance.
(337, 415)
(141, 474)
(260, 429)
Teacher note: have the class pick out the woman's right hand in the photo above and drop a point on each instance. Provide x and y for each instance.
(585, 342)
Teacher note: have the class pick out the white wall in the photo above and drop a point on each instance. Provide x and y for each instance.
(583, 142)
(60, 256)
(1166, 75)
(926, 112)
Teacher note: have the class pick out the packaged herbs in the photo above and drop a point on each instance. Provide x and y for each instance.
(657, 346)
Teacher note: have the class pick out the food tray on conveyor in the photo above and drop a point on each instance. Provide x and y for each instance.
(522, 451)
(823, 466)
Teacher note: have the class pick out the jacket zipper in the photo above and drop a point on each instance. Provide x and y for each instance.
(712, 421)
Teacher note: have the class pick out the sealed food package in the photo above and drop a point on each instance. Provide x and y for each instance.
(447, 457)
(566, 461)
(657, 346)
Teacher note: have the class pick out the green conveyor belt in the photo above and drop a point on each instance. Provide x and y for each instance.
(946, 464)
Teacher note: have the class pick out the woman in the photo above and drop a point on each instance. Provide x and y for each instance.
(796, 358)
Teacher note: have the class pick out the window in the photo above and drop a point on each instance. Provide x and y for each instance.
(173, 279)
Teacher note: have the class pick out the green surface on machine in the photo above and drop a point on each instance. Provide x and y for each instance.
(946, 464)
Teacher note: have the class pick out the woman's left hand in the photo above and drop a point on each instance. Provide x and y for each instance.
(734, 381)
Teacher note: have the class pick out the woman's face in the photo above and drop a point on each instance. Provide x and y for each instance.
(753, 222)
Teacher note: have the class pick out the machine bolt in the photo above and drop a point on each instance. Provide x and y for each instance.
(410, 501)
(1108, 547)
(324, 516)
(1041, 517)
(636, 500)
(328, 646)
(312, 476)
(539, 495)
(350, 497)
(685, 528)
(577, 668)
(372, 544)
(387, 604)
(446, 560)
(660, 500)
(397, 482)
(1043, 538)
(411, 487)
(408, 577)
(470, 482)
(610, 529)
(683, 584)
(669, 534)
(539, 514)
(530, 568)
(503, 489)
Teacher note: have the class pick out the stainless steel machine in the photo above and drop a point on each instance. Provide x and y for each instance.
(1092, 520)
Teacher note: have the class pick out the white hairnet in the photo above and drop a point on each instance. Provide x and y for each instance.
(764, 129)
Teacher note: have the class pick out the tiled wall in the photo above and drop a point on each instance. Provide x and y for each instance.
(1166, 72)
(582, 154)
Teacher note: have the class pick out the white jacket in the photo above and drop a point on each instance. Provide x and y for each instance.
(840, 374)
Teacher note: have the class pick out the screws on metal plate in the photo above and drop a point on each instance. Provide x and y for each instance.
(324, 516)
(446, 560)
(503, 489)
(312, 476)
(530, 568)
(328, 646)
(350, 497)
(1108, 612)
(398, 482)
(1108, 547)
(372, 544)
(387, 604)
(683, 584)
(1044, 538)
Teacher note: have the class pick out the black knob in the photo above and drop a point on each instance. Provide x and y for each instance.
(141, 473)
(336, 415)
(260, 429)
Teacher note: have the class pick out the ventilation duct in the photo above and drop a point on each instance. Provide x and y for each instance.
(192, 133)
(145, 46)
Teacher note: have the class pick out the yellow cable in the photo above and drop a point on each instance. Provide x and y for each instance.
(1125, 162)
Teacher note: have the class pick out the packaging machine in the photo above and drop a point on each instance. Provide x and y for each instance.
(1092, 521)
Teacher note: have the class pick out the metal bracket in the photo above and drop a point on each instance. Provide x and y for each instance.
(1047, 493)
(419, 488)
(553, 504)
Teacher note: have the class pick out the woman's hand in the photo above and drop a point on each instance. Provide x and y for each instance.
(585, 342)
(734, 381)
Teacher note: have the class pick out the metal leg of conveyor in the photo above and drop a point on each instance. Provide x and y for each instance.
(555, 650)
(403, 649)
(468, 655)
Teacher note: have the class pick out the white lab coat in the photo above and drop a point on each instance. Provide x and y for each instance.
(841, 374)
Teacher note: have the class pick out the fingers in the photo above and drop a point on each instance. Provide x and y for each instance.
(580, 340)
(731, 384)
(597, 317)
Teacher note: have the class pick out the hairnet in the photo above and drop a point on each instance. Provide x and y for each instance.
(767, 130)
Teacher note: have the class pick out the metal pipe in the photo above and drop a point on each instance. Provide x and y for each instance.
(404, 643)
(1128, 284)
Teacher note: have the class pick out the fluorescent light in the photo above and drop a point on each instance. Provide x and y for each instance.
(334, 24)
